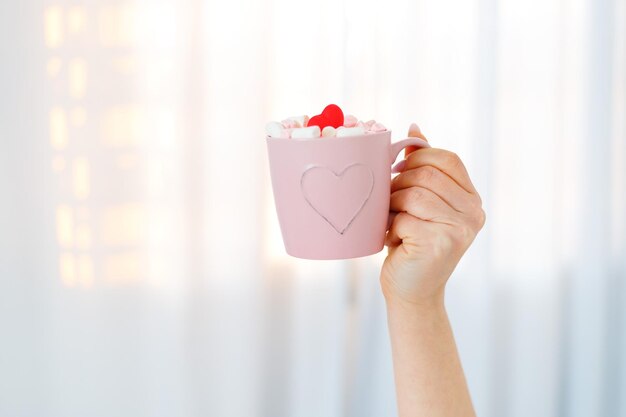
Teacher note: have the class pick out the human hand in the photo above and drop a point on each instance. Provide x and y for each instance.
(435, 215)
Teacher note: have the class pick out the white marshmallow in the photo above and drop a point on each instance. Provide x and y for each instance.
(350, 131)
(306, 132)
(329, 132)
(274, 129)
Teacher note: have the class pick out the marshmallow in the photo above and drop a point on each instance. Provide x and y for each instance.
(300, 120)
(274, 129)
(361, 124)
(329, 131)
(306, 132)
(378, 127)
(290, 124)
(350, 131)
(349, 121)
(369, 124)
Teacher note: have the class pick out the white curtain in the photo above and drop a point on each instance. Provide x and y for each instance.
(142, 271)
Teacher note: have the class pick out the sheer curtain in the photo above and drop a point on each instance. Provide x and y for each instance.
(142, 271)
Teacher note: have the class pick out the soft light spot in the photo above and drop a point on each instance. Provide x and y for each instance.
(123, 225)
(58, 128)
(81, 181)
(65, 226)
(122, 268)
(78, 116)
(76, 20)
(127, 161)
(67, 269)
(53, 26)
(77, 69)
(83, 237)
(116, 25)
(122, 126)
(124, 64)
(53, 66)
(85, 270)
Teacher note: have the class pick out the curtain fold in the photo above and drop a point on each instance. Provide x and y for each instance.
(142, 271)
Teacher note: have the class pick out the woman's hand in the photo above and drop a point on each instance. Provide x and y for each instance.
(438, 216)
(438, 213)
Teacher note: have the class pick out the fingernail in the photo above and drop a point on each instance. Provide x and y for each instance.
(398, 167)
(414, 128)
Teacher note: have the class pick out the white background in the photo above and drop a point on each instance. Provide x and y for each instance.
(142, 271)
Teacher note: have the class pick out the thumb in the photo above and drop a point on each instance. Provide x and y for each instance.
(414, 132)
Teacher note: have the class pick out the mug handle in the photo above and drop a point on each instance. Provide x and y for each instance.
(398, 146)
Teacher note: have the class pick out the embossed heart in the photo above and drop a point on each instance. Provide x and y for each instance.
(338, 197)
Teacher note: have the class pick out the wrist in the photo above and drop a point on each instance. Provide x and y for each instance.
(396, 301)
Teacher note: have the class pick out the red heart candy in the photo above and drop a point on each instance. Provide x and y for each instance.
(318, 120)
(334, 115)
(331, 116)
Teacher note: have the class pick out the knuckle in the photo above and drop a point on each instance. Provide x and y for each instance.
(463, 235)
(481, 218)
(442, 245)
(424, 174)
(480, 200)
(401, 221)
(452, 159)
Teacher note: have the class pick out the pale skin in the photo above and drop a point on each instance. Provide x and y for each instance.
(439, 213)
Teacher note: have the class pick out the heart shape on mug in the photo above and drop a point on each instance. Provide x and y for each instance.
(332, 115)
(338, 197)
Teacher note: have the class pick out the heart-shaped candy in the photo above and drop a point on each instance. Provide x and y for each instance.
(332, 115)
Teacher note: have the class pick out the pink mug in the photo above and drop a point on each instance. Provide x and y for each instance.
(332, 194)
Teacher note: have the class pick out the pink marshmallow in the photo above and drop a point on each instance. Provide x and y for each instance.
(290, 124)
(350, 121)
(378, 127)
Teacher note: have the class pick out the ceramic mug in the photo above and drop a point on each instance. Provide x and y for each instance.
(332, 194)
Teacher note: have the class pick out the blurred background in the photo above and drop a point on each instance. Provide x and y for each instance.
(142, 271)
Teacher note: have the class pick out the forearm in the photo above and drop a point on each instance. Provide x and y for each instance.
(428, 374)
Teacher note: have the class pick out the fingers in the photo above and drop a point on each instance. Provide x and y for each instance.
(445, 161)
(423, 204)
(414, 131)
(402, 226)
(392, 215)
(439, 183)
(405, 226)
